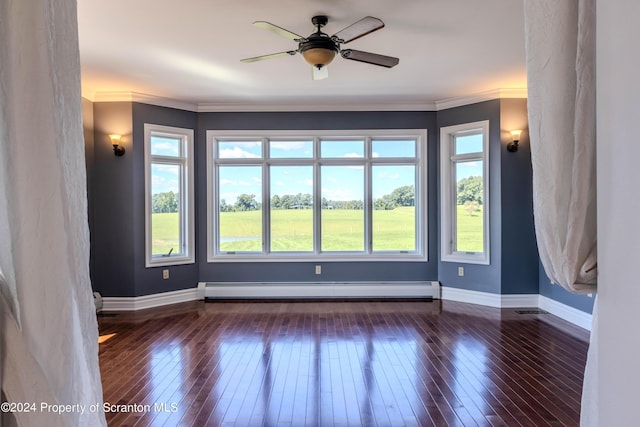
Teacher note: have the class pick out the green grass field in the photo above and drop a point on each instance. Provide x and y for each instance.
(470, 230)
(343, 230)
(165, 229)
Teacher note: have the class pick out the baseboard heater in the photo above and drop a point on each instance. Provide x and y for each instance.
(318, 290)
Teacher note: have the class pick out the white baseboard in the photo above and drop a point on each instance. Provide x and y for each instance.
(488, 299)
(320, 290)
(148, 301)
(349, 290)
(563, 311)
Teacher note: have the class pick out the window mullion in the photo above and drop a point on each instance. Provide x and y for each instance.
(368, 199)
(266, 200)
(317, 198)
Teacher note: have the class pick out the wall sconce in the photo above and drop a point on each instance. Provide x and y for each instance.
(512, 147)
(115, 141)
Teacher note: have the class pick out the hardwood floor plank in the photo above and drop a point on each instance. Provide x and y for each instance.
(354, 363)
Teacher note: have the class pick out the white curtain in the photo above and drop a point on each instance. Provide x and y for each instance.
(49, 349)
(560, 52)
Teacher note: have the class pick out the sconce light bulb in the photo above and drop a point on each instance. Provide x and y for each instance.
(516, 135)
(115, 138)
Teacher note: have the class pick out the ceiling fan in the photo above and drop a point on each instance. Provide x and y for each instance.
(319, 49)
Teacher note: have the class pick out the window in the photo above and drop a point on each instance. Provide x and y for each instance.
(169, 207)
(296, 196)
(465, 193)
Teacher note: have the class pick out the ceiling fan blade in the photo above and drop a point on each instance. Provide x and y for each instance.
(278, 30)
(272, 55)
(320, 73)
(358, 29)
(370, 58)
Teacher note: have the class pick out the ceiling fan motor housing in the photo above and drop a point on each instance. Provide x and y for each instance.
(318, 49)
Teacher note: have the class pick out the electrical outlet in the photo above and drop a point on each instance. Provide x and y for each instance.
(460, 271)
(318, 269)
(165, 274)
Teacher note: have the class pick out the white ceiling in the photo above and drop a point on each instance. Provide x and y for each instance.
(190, 51)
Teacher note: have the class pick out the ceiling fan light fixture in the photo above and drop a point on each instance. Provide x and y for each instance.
(319, 49)
(319, 56)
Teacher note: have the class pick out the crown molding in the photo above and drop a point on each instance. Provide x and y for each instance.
(480, 97)
(207, 107)
(144, 99)
(212, 107)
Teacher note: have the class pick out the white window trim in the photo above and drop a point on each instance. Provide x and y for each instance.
(187, 197)
(421, 186)
(447, 194)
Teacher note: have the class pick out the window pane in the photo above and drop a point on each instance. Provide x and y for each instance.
(239, 149)
(291, 208)
(165, 209)
(165, 146)
(240, 204)
(394, 218)
(290, 149)
(465, 144)
(393, 148)
(342, 214)
(469, 207)
(335, 149)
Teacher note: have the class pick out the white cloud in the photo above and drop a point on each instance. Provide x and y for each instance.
(236, 153)
(470, 164)
(232, 183)
(287, 145)
(387, 175)
(340, 194)
(164, 179)
(165, 148)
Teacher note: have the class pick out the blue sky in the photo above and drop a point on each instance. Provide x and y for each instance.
(338, 182)
(165, 178)
(469, 144)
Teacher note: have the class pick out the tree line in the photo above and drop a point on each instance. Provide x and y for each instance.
(166, 202)
(469, 192)
(401, 196)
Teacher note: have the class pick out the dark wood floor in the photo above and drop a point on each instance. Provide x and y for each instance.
(341, 363)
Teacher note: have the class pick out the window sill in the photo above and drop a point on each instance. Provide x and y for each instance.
(482, 259)
(168, 261)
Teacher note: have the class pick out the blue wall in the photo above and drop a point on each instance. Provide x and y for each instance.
(111, 223)
(117, 222)
(519, 267)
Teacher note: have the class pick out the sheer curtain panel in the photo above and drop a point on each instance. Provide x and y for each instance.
(560, 53)
(48, 336)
